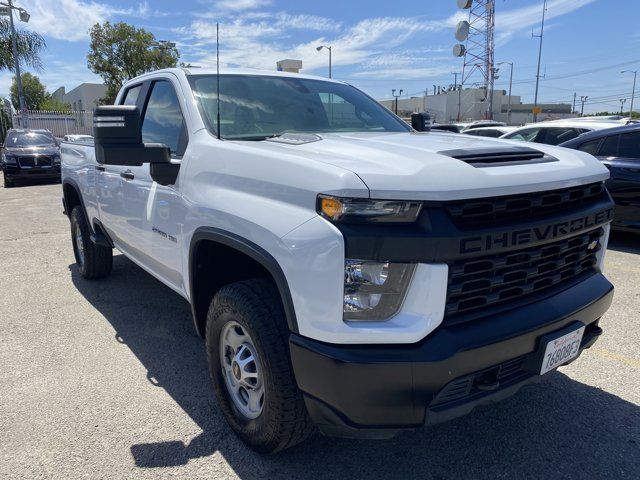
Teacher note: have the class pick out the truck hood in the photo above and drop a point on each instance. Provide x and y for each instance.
(29, 151)
(409, 165)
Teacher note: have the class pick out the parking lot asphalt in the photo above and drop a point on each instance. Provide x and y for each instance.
(107, 379)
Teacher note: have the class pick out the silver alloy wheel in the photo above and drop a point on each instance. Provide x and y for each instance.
(241, 370)
(79, 245)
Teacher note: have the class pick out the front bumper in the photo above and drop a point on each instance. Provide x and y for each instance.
(376, 390)
(20, 173)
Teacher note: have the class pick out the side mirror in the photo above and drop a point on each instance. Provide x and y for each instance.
(117, 132)
(421, 122)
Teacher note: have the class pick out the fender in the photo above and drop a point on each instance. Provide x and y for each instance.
(67, 212)
(250, 249)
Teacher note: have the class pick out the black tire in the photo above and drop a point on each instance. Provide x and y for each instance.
(94, 261)
(8, 183)
(255, 305)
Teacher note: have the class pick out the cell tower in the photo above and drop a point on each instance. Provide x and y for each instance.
(477, 46)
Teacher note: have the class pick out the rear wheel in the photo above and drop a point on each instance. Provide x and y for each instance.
(94, 261)
(248, 353)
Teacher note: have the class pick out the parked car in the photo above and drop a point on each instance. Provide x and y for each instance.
(493, 132)
(554, 133)
(348, 273)
(78, 138)
(445, 127)
(482, 124)
(29, 155)
(619, 149)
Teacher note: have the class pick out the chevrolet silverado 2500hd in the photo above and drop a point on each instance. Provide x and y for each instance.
(349, 274)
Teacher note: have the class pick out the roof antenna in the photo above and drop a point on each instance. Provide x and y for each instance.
(218, 78)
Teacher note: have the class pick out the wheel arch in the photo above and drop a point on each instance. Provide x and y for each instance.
(210, 244)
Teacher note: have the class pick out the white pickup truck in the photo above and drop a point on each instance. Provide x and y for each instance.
(350, 274)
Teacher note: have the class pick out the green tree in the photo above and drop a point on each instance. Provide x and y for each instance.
(121, 51)
(51, 104)
(29, 46)
(33, 91)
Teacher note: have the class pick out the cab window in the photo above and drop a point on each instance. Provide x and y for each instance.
(163, 121)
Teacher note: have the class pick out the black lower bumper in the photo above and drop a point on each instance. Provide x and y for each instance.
(373, 391)
(17, 173)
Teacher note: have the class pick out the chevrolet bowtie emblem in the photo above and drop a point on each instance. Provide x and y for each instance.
(593, 245)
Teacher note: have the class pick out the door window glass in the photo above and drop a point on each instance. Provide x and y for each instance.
(131, 95)
(609, 147)
(629, 145)
(163, 121)
(527, 134)
(590, 147)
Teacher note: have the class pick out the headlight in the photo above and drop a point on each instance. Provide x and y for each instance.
(56, 159)
(374, 290)
(9, 159)
(361, 210)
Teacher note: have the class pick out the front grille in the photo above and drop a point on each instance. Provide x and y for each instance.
(468, 388)
(40, 161)
(481, 282)
(476, 212)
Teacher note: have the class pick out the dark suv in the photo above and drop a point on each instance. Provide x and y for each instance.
(30, 154)
(619, 149)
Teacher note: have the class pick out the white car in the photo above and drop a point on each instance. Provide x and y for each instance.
(554, 132)
(492, 132)
(349, 274)
(78, 138)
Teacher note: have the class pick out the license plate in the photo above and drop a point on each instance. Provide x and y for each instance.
(561, 350)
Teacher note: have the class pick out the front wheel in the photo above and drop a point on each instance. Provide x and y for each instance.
(94, 261)
(8, 183)
(248, 353)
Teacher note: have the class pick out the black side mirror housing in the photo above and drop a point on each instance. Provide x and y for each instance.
(117, 132)
(421, 122)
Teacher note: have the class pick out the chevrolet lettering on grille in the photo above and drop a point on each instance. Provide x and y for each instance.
(493, 241)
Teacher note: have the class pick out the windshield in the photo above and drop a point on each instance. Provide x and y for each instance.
(259, 107)
(30, 139)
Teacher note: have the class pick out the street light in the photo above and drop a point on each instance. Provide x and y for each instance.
(393, 93)
(328, 48)
(633, 92)
(510, 83)
(583, 99)
(24, 17)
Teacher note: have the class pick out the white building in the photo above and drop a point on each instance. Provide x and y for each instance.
(84, 97)
(471, 104)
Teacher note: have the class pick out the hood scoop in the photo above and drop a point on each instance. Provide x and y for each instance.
(295, 138)
(499, 157)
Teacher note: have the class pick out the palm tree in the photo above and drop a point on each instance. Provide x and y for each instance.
(29, 46)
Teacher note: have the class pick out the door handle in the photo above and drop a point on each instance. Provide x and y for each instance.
(127, 175)
(100, 168)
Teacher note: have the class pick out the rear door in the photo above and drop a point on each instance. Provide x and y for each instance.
(116, 198)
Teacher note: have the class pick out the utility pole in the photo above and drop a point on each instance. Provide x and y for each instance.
(510, 84)
(24, 16)
(535, 100)
(573, 108)
(583, 99)
(622, 102)
(633, 91)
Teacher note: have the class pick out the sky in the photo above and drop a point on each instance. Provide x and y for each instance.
(376, 45)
